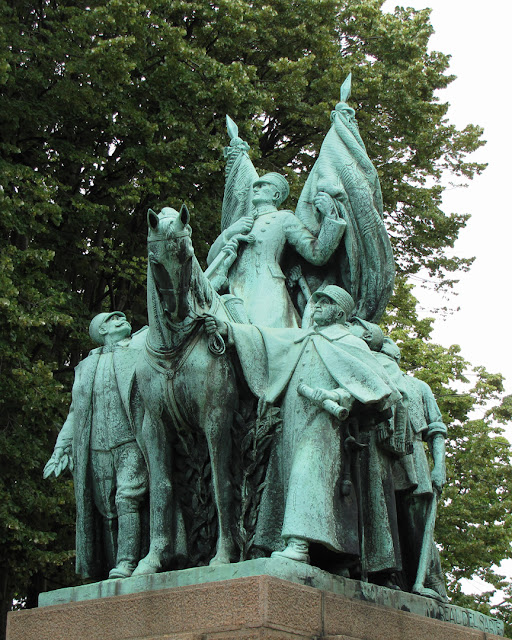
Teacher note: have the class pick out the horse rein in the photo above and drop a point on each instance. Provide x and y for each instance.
(216, 344)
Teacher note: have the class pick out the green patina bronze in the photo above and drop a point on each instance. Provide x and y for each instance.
(98, 444)
(263, 412)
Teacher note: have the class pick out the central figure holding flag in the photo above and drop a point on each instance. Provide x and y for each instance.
(256, 275)
(336, 235)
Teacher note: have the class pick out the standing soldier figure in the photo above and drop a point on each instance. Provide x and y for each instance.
(98, 443)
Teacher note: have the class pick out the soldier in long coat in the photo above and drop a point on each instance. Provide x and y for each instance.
(256, 274)
(417, 487)
(98, 437)
(303, 506)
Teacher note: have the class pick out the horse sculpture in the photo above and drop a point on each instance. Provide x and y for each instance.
(186, 384)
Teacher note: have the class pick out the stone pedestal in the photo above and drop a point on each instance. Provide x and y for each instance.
(248, 608)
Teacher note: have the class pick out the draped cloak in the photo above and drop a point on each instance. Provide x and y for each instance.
(302, 496)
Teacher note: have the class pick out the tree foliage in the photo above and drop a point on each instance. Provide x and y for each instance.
(110, 107)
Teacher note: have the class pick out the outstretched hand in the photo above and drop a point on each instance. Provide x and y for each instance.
(60, 460)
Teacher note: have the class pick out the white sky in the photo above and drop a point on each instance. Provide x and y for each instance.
(477, 35)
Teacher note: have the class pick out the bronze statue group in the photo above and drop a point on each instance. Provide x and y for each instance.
(278, 337)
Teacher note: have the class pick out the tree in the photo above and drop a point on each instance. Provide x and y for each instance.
(110, 107)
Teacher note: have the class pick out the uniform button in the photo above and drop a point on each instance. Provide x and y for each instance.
(267, 221)
(263, 230)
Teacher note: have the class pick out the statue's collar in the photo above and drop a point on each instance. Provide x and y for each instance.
(333, 331)
(330, 332)
(264, 209)
(117, 345)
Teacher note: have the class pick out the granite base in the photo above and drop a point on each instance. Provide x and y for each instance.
(258, 606)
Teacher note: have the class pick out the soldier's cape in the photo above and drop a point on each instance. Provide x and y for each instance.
(269, 357)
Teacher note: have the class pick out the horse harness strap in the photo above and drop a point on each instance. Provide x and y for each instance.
(168, 364)
(173, 405)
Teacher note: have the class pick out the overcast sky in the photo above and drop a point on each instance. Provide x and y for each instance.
(477, 35)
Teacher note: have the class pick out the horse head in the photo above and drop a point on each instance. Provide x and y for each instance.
(170, 254)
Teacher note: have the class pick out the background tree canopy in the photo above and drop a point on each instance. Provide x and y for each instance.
(108, 108)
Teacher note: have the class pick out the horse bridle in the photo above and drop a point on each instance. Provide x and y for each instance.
(216, 344)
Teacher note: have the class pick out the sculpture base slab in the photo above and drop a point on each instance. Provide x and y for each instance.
(250, 608)
(287, 570)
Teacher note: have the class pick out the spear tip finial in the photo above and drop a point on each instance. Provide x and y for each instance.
(232, 127)
(346, 88)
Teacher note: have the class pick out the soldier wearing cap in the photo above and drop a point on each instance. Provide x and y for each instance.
(416, 485)
(252, 269)
(303, 514)
(97, 441)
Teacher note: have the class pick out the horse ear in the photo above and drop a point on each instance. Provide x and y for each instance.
(152, 219)
(184, 215)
